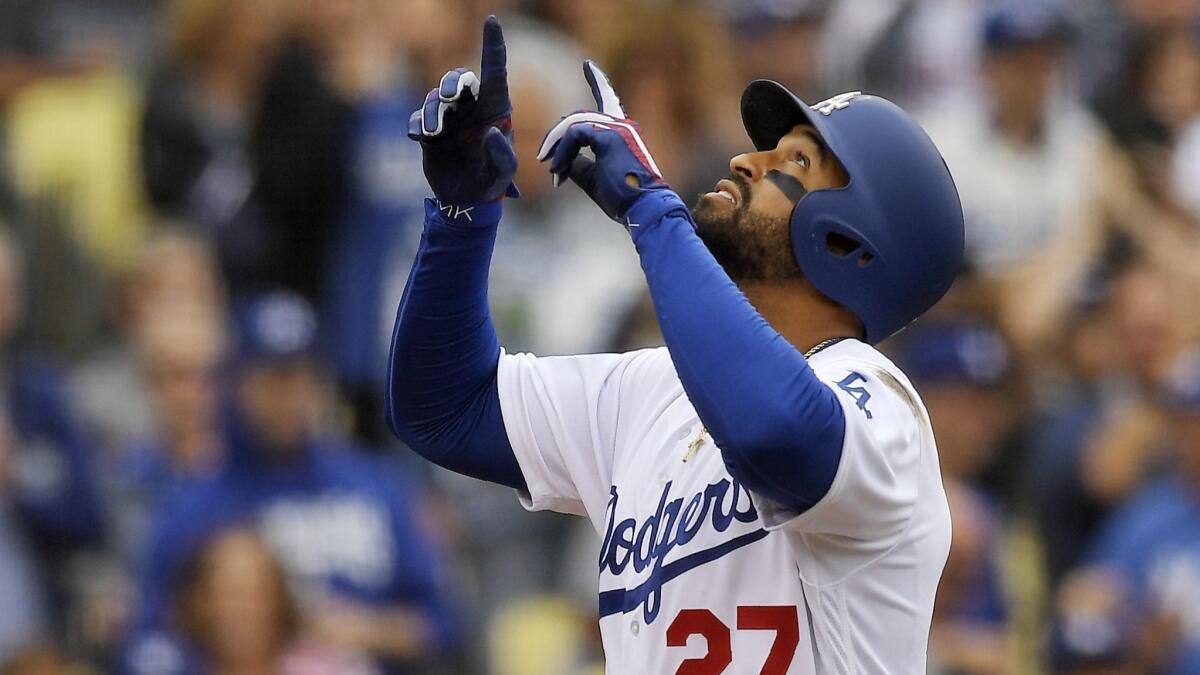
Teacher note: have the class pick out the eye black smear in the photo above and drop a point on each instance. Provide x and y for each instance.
(788, 185)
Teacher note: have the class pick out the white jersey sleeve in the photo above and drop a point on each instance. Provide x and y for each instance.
(876, 486)
(562, 417)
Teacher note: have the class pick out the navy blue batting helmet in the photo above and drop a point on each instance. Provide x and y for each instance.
(887, 245)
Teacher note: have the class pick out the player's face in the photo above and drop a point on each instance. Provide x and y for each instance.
(745, 220)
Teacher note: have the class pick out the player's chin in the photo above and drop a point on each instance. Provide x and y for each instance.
(712, 209)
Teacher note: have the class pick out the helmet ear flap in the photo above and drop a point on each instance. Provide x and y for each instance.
(843, 246)
(841, 262)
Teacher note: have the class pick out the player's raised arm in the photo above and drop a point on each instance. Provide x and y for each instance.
(780, 428)
(441, 396)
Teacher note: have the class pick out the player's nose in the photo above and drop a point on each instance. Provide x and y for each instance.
(750, 165)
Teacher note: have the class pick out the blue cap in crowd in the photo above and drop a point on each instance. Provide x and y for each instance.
(1016, 23)
(960, 352)
(755, 17)
(275, 327)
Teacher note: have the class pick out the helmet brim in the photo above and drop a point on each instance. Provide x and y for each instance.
(770, 112)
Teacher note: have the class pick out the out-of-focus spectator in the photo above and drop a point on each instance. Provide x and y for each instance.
(60, 47)
(778, 41)
(435, 34)
(197, 131)
(51, 38)
(1148, 110)
(69, 156)
(344, 527)
(109, 386)
(667, 61)
(1155, 98)
(385, 187)
(876, 47)
(1108, 34)
(1103, 442)
(1127, 445)
(964, 372)
(301, 140)
(39, 660)
(1185, 169)
(234, 607)
(178, 354)
(971, 634)
(153, 392)
(1094, 632)
(943, 50)
(1019, 153)
(1023, 155)
(1178, 106)
(590, 23)
(21, 63)
(1069, 404)
(1149, 553)
(181, 351)
(48, 500)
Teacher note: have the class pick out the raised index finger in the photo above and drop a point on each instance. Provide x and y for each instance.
(602, 90)
(493, 65)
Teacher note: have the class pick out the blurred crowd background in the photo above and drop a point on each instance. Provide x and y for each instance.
(208, 209)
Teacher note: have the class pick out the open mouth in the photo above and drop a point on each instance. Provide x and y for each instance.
(725, 189)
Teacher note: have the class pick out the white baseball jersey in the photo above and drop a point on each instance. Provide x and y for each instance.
(697, 575)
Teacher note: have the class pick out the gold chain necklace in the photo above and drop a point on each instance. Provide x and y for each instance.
(822, 345)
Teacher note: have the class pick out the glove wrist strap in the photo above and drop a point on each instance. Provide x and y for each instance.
(486, 214)
(650, 208)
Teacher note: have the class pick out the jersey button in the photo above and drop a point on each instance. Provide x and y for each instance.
(634, 628)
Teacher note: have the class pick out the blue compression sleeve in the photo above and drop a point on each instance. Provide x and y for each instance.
(441, 397)
(780, 429)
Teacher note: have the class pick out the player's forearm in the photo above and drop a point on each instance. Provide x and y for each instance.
(441, 396)
(780, 429)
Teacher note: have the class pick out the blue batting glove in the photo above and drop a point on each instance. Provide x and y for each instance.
(621, 156)
(465, 129)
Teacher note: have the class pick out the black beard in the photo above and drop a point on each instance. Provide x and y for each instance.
(750, 247)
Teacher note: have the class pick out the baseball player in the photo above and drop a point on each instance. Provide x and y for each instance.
(766, 487)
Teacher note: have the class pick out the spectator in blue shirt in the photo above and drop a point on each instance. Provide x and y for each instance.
(48, 500)
(180, 347)
(964, 373)
(1148, 558)
(342, 526)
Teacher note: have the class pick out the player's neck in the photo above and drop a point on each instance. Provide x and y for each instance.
(803, 316)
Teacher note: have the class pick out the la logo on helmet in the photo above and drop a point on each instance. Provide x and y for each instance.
(838, 102)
